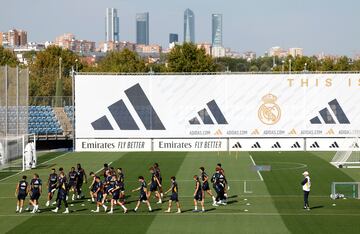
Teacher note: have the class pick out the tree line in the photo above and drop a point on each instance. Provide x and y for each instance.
(50, 70)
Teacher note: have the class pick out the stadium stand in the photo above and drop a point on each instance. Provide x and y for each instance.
(69, 110)
(42, 121)
(64, 120)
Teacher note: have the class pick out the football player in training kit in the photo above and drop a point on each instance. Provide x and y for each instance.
(174, 195)
(198, 195)
(154, 185)
(143, 194)
(205, 185)
(121, 183)
(35, 191)
(115, 192)
(81, 179)
(105, 169)
(92, 187)
(22, 190)
(107, 184)
(226, 185)
(219, 185)
(99, 193)
(73, 179)
(158, 175)
(62, 187)
(51, 184)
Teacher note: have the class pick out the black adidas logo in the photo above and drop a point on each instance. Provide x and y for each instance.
(355, 145)
(122, 116)
(237, 145)
(296, 145)
(315, 145)
(206, 118)
(276, 145)
(256, 145)
(334, 145)
(327, 117)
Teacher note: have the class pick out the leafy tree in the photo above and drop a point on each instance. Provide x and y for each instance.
(124, 61)
(327, 64)
(232, 64)
(265, 67)
(342, 64)
(30, 56)
(44, 72)
(254, 68)
(7, 57)
(188, 58)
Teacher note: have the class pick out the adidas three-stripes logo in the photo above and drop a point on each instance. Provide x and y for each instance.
(205, 116)
(123, 117)
(328, 118)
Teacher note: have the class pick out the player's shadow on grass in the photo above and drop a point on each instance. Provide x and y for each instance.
(231, 202)
(76, 202)
(79, 210)
(211, 209)
(316, 207)
(157, 209)
(48, 209)
(190, 210)
(233, 196)
(185, 211)
(130, 201)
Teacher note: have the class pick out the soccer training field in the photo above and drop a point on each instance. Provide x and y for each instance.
(273, 199)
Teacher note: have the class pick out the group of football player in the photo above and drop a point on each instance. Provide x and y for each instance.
(64, 185)
(109, 187)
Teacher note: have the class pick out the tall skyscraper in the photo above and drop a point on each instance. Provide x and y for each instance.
(142, 28)
(189, 26)
(217, 35)
(173, 37)
(111, 25)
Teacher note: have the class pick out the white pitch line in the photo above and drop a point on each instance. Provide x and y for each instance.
(102, 168)
(61, 155)
(8, 177)
(305, 213)
(252, 160)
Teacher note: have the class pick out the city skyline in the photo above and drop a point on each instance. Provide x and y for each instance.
(111, 25)
(142, 28)
(189, 26)
(317, 26)
(217, 31)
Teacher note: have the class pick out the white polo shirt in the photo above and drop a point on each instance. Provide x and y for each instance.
(307, 185)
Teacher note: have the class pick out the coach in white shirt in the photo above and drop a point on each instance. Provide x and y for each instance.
(306, 184)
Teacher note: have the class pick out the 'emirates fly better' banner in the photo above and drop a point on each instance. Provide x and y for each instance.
(217, 106)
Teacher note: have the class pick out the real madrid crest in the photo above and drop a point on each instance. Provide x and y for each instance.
(269, 112)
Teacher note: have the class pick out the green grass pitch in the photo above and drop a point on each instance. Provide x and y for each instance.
(274, 204)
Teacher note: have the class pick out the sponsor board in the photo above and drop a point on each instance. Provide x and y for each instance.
(113, 145)
(267, 144)
(190, 145)
(223, 106)
(333, 144)
(218, 144)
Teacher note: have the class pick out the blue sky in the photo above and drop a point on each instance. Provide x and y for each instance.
(328, 26)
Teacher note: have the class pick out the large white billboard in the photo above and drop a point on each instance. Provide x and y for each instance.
(217, 106)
